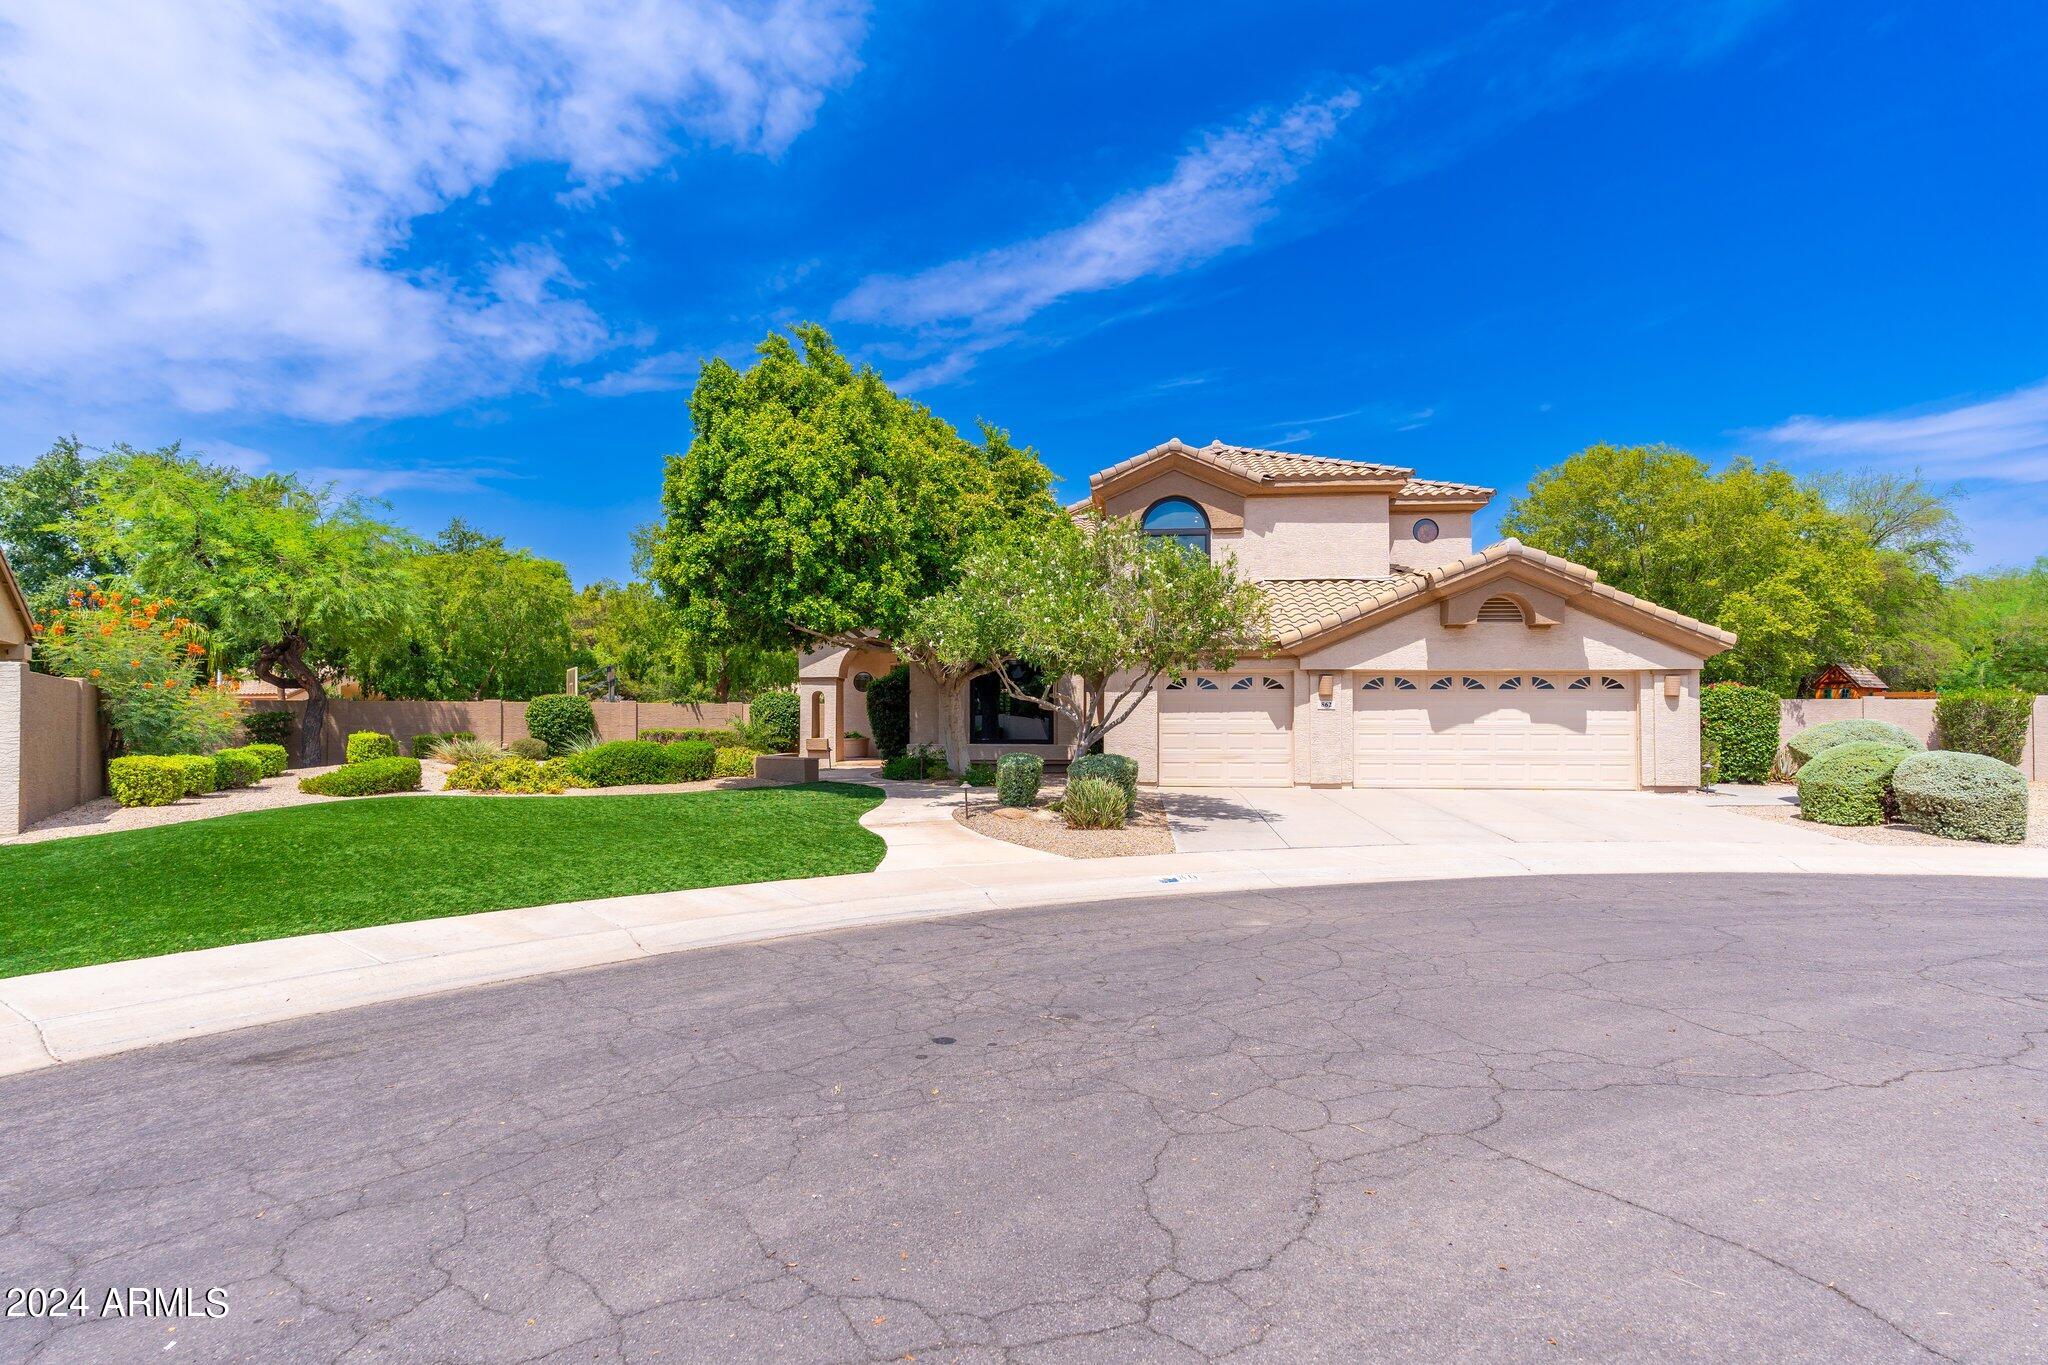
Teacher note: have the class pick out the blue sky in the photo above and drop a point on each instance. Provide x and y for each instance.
(466, 256)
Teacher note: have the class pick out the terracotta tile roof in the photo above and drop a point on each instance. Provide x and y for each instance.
(1424, 489)
(1299, 607)
(1260, 466)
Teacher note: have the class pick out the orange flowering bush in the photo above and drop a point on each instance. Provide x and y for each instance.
(145, 660)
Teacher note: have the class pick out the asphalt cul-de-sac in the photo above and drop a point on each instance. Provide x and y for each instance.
(1708, 1118)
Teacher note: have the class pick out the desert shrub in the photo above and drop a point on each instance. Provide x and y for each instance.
(462, 749)
(1742, 723)
(237, 768)
(980, 773)
(269, 727)
(145, 780)
(1810, 743)
(559, 772)
(693, 760)
(1850, 784)
(558, 721)
(272, 756)
(146, 663)
(922, 764)
(889, 711)
(505, 773)
(1095, 803)
(773, 718)
(371, 777)
(1114, 767)
(734, 761)
(1962, 796)
(1990, 720)
(428, 744)
(1710, 762)
(526, 746)
(1017, 778)
(364, 745)
(200, 772)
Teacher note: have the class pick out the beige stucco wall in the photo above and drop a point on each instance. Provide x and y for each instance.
(1319, 535)
(500, 722)
(854, 702)
(1668, 737)
(49, 746)
(1224, 508)
(1453, 541)
(1138, 737)
(1420, 640)
(1324, 745)
(1915, 715)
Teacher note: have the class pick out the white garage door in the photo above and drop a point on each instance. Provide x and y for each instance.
(1490, 730)
(1227, 730)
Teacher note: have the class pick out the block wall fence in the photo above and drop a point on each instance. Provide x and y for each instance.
(501, 722)
(49, 746)
(1914, 715)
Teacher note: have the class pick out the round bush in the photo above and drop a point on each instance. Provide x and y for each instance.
(558, 721)
(145, 780)
(526, 746)
(734, 761)
(1850, 784)
(237, 768)
(364, 745)
(371, 777)
(1114, 767)
(1818, 739)
(693, 760)
(889, 712)
(775, 717)
(1017, 779)
(269, 727)
(272, 756)
(1094, 803)
(201, 774)
(1741, 722)
(1962, 796)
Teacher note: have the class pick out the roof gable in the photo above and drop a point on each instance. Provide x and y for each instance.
(1250, 469)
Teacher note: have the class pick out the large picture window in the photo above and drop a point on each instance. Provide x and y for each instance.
(996, 717)
(1180, 521)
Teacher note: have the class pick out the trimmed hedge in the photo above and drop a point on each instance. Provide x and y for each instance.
(734, 760)
(269, 727)
(638, 762)
(1850, 784)
(146, 780)
(1810, 743)
(775, 718)
(694, 760)
(507, 774)
(558, 720)
(980, 773)
(1017, 778)
(526, 746)
(1741, 722)
(1991, 721)
(889, 712)
(1114, 767)
(272, 756)
(201, 773)
(1963, 796)
(922, 764)
(371, 777)
(237, 768)
(364, 745)
(724, 739)
(1095, 803)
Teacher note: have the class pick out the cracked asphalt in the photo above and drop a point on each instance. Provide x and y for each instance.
(1727, 1118)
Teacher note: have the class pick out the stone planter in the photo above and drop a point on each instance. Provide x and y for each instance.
(786, 769)
(855, 746)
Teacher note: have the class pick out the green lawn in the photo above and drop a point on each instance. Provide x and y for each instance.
(385, 860)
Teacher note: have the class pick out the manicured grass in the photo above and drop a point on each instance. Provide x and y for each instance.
(385, 860)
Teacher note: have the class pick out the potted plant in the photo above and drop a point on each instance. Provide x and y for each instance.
(856, 745)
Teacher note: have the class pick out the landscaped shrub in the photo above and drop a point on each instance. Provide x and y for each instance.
(734, 761)
(1742, 723)
(1017, 778)
(506, 774)
(272, 756)
(269, 727)
(1988, 720)
(147, 663)
(694, 760)
(371, 777)
(201, 776)
(1095, 803)
(774, 718)
(145, 780)
(638, 762)
(425, 745)
(526, 746)
(1962, 796)
(558, 772)
(364, 745)
(1810, 743)
(1850, 784)
(1115, 767)
(980, 773)
(726, 738)
(558, 721)
(237, 768)
(922, 764)
(889, 711)
(464, 749)
(1710, 762)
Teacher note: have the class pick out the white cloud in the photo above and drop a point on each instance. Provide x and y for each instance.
(2002, 438)
(204, 201)
(663, 372)
(1217, 195)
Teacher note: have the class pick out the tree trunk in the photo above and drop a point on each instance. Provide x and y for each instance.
(283, 665)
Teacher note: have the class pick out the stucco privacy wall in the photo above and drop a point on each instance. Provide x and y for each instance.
(1324, 744)
(1914, 715)
(1320, 535)
(49, 746)
(501, 722)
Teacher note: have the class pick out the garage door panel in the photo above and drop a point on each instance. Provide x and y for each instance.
(1224, 736)
(1506, 732)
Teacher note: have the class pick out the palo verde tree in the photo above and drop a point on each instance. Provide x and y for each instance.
(1097, 609)
(815, 506)
(293, 579)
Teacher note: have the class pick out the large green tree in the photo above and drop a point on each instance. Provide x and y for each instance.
(299, 582)
(1997, 626)
(40, 503)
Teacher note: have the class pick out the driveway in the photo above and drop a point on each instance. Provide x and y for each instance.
(1223, 820)
(1727, 1118)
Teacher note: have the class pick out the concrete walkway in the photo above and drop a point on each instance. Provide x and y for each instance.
(934, 868)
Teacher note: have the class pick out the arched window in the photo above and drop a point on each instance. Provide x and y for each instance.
(1179, 520)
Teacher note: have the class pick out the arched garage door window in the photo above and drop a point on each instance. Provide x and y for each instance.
(1181, 521)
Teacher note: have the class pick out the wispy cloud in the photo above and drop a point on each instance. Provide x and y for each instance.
(2004, 438)
(204, 203)
(664, 372)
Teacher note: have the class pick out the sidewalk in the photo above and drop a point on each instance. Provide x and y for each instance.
(934, 868)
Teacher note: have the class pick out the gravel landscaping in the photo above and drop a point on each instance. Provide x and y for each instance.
(1903, 835)
(1043, 829)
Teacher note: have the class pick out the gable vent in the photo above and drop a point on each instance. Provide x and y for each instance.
(1500, 609)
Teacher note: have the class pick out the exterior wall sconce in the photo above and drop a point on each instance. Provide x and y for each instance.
(1326, 690)
(1674, 686)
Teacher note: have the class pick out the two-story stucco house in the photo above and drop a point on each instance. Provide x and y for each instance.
(1401, 657)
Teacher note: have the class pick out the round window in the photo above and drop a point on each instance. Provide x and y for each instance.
(861, 681)
(1424, 531)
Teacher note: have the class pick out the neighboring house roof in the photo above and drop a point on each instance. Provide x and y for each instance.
(1253, 465)
(1304, 610)
(1861, 676)
(16, 603)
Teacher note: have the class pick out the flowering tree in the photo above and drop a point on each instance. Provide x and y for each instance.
(144, 660)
